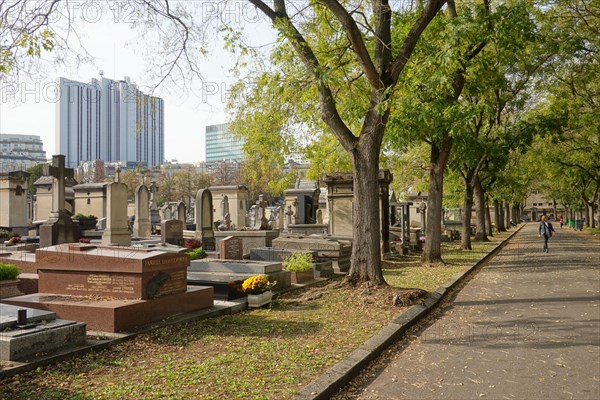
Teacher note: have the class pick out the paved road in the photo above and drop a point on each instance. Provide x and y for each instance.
(526, 327)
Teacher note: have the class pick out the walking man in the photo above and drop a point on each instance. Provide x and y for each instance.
(545, 230)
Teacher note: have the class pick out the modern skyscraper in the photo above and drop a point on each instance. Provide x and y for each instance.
(221, 145)
(109, 120)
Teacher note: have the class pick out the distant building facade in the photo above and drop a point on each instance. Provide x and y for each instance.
(221, 145)
(19, 152)
(109, 120)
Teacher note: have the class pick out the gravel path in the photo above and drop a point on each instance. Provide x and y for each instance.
(526, 327)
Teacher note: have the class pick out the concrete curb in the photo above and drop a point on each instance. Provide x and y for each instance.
(334, 379)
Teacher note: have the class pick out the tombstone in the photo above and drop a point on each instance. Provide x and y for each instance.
(59, 227)
(258, 216)
(171, 232)
(279, 218)
(237, 200)
(182, 212)
(230, 248)
(166, 212)
(225, 217)
(13, 198)
(289, 214)
(117, 223)
(124, 287)
(141, 219)
(27, 331)
(340, 196)
(204, 219)
(154, 214)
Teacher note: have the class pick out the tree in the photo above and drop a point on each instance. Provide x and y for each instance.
(35, 172)
(352, 58)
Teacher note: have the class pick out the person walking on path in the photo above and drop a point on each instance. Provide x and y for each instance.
(545, 230)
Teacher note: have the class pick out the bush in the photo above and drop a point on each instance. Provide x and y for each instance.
(8, 272)
(4, 233)
(257, 284)
(82, 216)
(298, 261)
(196, 254)
(192, 244)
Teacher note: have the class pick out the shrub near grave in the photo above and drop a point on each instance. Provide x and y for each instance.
(8, 272)
(300, 265)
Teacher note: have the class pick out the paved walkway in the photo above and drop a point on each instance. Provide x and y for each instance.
(526, 327)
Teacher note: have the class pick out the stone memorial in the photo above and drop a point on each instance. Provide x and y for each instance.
(171, 232)
(237, 203)
(117, 223)
(141, 220)
(231, 248)
(27, 331)
(340, 195)
(225, 224)
(204, 219)
(182, 212)
(113, 289)
(59, 227)
(154, 214)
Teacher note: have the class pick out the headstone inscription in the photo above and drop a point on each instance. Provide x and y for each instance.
(171, 232)
(231, 248)
(59, 227)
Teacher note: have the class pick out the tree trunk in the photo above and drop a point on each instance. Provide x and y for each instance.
(499, 210)
(480, 211)
(507, 215)
(432, 252)
(465, 240)
(366, 253)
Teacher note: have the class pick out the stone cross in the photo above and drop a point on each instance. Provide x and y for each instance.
(58, 171)
(118, 174)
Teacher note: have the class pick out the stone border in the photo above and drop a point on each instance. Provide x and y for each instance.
(335, 378)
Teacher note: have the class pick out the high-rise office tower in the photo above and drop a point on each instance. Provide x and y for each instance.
(222, 145)
(109, 120)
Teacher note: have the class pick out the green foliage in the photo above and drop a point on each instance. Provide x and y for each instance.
(35, 172)
(196, 254)
(8, 272)
(4, 233)
(82, 216)
(298, 261)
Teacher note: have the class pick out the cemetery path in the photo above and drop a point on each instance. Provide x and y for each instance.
(527, 326)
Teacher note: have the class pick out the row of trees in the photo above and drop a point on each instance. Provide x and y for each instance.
(470, 85)
(476, 87)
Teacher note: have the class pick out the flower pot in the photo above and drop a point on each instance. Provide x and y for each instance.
(87, 223)
(9, 289)
(258, 300)
(302, 277)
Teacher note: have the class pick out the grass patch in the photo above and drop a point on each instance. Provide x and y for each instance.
(268, 353)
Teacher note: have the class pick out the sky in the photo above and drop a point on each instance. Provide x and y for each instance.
(29, 108)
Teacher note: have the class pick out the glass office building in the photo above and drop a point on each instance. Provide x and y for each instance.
(221, 145)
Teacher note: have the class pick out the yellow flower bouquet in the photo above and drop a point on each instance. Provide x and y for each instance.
(257, 284)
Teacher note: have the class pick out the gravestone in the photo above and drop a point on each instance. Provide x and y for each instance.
(154, 214)
(340, 195)
(113, 289)
(225, 216)
(182, 212)
(166, 212)
(141, 221)
(258, 218)
(231, 248)
(117, 223)
(27, 331)
(59, 227)
(204, 219)
(171, 232)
